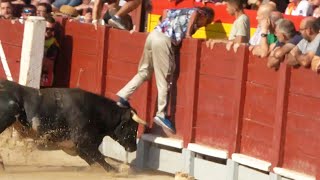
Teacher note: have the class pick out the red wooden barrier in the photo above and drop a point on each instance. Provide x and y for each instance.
(85, 47)
(302, 141)
(11, 40)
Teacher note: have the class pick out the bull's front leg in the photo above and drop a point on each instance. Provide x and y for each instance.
(92, 156)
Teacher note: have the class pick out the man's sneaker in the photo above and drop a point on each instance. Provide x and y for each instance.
(165, 123)
(123, 103)
(116, 22)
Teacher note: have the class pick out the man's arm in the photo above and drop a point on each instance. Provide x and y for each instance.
(240, 39)
(192, 21)
(96, 12)
(282, 51)
(262, 50)
(305, 59)
(291, 57)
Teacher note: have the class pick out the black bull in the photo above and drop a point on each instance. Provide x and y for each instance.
(60, 115)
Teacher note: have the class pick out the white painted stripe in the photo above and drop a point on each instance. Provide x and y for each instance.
(251, 162)
(293, 174)
(208, 151)
(177, 143)
(5, 63)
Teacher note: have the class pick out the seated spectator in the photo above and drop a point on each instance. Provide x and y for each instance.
(57, 4)
(263, 13)
(85, 5)
(315, 63)
(287, 37)
(240, 31)
(5, 9)
(116, 20)
(299, 8)
(316, 10)
(51, 51)
(27, 10)
(304, 52)
(44, 10)
(267, 36)
(67, 11)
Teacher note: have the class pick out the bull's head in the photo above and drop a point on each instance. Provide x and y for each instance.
(126, 132)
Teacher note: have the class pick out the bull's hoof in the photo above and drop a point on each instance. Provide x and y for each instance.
(183, 176)
(1, 166)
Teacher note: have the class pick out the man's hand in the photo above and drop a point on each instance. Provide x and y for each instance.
(95, 24)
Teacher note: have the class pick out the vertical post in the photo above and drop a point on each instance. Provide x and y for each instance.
(189, 157)
(280, 114)
(239, 94)
(232, 170)
(32, 52)
(192, 92)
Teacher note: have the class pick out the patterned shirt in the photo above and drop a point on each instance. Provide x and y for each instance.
(175, 25)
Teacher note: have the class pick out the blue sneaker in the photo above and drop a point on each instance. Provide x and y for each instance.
(123, 103)
(165, 123)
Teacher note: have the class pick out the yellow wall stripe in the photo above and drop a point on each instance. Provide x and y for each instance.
(215, 30)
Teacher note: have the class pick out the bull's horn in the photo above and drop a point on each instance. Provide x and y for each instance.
(137, 119)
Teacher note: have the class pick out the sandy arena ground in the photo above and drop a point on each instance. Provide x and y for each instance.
(23, 161)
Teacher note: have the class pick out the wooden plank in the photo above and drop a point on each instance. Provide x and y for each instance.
(204, 136)
(239, 94)
(303, 143)
(303, 124)
(216, 86)
(215, 62)
(260, 104)
(116, 68)
(280, 115)
(255, 148)
(220, 120)
(304, 105)
(305, 82)
(299, 162)
(257, 131)
(259, 74)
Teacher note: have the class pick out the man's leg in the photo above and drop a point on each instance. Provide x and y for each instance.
(164, 65)
(144, 71)
(115, 21)
(128, 7)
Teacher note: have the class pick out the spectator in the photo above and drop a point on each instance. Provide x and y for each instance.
(57, 4)
(6, 9)
(316, 11)
(299, 8)
(263, 13)
(51, 51)
(254, 4)
(304, 52)
(287, 37)
(44, 10)
(27, 10)
(240, 32)
(85, 5)
(67, 11)
(315, 64)
(158, 55)
(267, 36)
(116, 19)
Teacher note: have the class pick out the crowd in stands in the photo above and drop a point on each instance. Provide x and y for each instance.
(276, 37)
